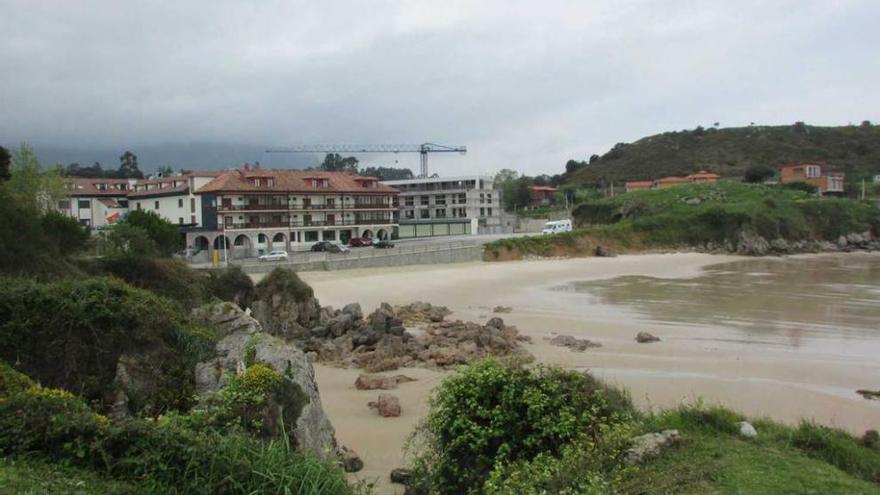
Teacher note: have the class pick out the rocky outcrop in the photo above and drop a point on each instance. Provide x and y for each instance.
(387, 405)
(869, 394)
(421, 312)
(646, 338)
(573, 343)
(746, 430)
(289, 317)
(401, 476)
(752, 244)
(351, 462)
(379, 382)
(244, 343)
(650, 446)
(502, 309)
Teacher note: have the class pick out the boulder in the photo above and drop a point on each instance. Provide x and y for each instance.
(502, 309)
(649, 446)
(401, 476)
(388, 406)
(311, 429)
(646, 338)
(780, 246)
(752, 244)
(841, 241)
(354, 310)
(351, 462)
(573, 343)
(603, 252)
(496, 323)
(746, 430)
(379, 382)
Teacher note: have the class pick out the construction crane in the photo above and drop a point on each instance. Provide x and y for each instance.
(422, 149)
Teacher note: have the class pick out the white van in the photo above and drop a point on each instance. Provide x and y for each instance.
(557, 227)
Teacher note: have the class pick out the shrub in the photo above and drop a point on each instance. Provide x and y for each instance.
(71, 334)
(282, 281)
(802, 186)
(838, 448)
(12, 381)
(758, 173)
(595, 213)
(491, 413)
(163, 234)
(231, 284)
(166, 277)
(64, 233)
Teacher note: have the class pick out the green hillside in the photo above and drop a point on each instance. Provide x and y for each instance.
(851, 149)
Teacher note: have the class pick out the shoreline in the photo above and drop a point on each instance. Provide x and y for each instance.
(694, 362)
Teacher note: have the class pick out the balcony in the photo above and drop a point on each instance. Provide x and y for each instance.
(312, 223)
(263, 207)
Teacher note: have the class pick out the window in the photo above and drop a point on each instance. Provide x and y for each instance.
(409, 201)
(410, 214)
(156, 205)
(329, 235)
(424, 214)
(64, 204)
(123, 203)
(192, 205)
(489, 212)
(424, 200)
(482, 212)
(440, 213)
(139, 205)
(180, 220)
(180, 203)
(83, 203)
(482, 198)
(311, 235)
(192, 219)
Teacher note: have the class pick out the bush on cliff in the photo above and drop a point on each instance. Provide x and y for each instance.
(231, 284)
(161, 456)
(70, 334)
(283, 282)
(491, 414)
(167, 277)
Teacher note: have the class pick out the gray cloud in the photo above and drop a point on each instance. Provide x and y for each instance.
(526, 85)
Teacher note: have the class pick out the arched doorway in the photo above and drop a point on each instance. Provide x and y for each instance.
(367, 234)
(222, 242)
(279, 241)
(200, 243)
(382, 234)
(241, 246)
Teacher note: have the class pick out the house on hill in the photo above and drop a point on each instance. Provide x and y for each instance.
(665, 182)
(541, 195)
(812, 173)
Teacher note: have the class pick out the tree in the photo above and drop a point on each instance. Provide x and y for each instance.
(32, 187)
(594, 158)
(64, 233)
(388, 173)
(165, 171)
(505, 175)
(573, 166)
(162, 233)
(128, 167)
(5, 163)
(758, 173)
(333, 162)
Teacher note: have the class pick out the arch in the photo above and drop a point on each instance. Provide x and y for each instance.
(279, 237)
(242, 240)
(201, 243)
(262, 239)
(382, 234)
(219, 244)
(367, 234)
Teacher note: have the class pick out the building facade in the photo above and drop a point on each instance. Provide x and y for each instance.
(812, 173)
(249, 212)
(666, 182)
(173, 198)
(440, 206)
(95, 203)
(542, 195)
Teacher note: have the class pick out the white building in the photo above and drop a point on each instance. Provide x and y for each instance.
(93, 201)
(448, 206)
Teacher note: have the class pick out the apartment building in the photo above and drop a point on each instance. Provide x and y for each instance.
(256, 211)
(95, 203)
(812, 173)
(448, 206)
(173, 198)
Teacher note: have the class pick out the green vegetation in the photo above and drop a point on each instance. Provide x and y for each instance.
(695, 214)
(491, 414)
(729, 152)
(164, 456)
(283, 281)
(70, 334)
(24, 476)
(499, 429)
(142, 233)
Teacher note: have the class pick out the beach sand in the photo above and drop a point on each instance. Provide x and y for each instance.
(777, 375)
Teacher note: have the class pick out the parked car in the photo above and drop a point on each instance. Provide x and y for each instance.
(557, 227)
(274, 256)
(383, 244)
(329, 247)
(360, 242)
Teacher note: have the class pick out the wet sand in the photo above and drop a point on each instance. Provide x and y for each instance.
(783, 373)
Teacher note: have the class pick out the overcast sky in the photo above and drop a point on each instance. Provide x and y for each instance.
(525, 85)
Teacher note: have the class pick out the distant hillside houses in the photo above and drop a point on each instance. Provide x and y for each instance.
(817, 174)
(666, 182)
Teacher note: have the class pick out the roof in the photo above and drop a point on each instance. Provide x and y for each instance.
(666, 180)
(428, 180)
(543, 188)
(80, 186)
(702, 174)
(288, 181)
(164, 191)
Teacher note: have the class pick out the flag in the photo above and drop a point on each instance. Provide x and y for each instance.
(113, 217)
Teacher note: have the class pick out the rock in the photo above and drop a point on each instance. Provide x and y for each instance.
(869, 394)
(841, 241)
(311, 430)
(752, 244)
(747, 430)
(649, 446)
(388, 406)
(780, 246)
(351, 462)
(401, 476)
(421, 312)
(354, 310)
(646, 338)
(573, 343)
(496, 323)
(693, 201)
(502, 309)
(603, 252)
(855, 239)
(374, 382)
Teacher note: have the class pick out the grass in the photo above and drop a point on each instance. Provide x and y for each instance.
(21, 476)
(713, 459)
(694, 215)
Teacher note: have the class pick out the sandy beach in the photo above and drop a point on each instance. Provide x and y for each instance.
(787, 375)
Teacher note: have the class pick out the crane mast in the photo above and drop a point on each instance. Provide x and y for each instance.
(422, 149)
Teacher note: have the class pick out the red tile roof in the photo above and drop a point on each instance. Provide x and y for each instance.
(543, 188)
(671, 180)
(78, 186)
(164, 191)
(702, 174)
(292, 181)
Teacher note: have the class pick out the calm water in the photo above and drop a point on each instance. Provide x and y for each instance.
(782, 300)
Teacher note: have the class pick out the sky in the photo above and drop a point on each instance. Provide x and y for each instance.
(526, 85)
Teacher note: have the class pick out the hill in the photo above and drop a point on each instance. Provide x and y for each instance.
(851, 149)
